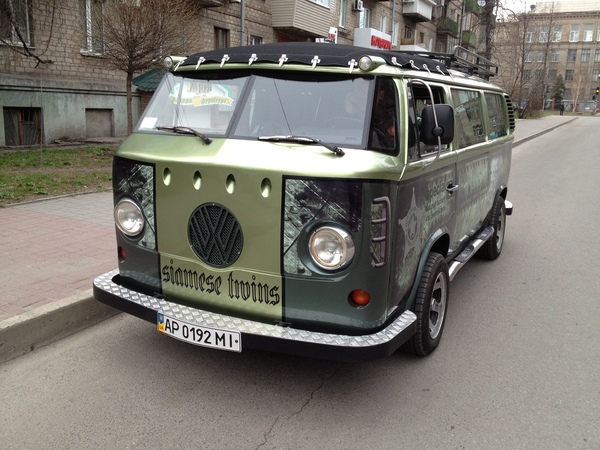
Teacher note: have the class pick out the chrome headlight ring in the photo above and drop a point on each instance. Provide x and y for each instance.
(129, 217)
(331, 247)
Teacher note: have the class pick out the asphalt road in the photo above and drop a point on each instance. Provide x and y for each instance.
(518, 367)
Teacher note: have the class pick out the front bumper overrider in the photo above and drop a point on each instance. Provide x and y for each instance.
(260, 335)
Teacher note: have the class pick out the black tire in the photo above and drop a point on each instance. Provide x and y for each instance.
(497, 219)
(430, 306)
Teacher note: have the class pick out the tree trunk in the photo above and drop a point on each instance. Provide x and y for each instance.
(129, 104)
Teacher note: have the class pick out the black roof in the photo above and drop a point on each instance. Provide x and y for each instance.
(321, 54)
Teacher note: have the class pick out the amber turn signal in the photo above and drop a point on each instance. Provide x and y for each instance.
(360, 297)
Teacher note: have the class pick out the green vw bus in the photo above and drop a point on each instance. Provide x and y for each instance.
(313, 199)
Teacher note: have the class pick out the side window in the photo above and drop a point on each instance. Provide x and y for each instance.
(495, 111)
(468, 121)
(384, 123)
(418, 99)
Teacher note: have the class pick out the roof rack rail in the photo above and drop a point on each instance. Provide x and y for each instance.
(473, 63)
(463, 60)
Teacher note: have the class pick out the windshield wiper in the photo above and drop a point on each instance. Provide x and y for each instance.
(187, 130)
(303, 140)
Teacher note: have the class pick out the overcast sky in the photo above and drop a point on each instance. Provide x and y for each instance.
(524, 5)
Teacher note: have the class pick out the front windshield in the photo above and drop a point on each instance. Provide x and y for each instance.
(330, 110)
(205, 105)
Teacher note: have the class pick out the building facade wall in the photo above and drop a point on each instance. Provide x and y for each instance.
(71, 82)
(546, 42)
(79, 86)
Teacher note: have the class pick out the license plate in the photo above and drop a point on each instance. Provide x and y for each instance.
(203, 336)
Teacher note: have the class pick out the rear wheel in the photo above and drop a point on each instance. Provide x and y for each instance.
(430, 306)
(497, 219)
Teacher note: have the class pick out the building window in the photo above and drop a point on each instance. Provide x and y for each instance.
(256, 40)
(94, 36)
(8, 32)
(365, 18)
(569, 74)
(530, 36)
(544, 33)
(343, 10)
(23, 126)
(540, 56)
(395, 34)
(322, 2)
(408, 33)
(557, 33)
(595, 75)
(526, 75)
(529, 56)
(588, 32)
(554, 55)
(567, 94)
(221, 38)
(574, 34)
(597, 55)
(383, 24)
(572, 55)
(421, 38)
(585, 55)
(552, 74)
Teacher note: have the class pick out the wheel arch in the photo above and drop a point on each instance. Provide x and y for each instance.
(502, 192)
(439, 242)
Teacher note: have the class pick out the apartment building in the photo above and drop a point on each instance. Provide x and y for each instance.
(74, 94)
(552, 39)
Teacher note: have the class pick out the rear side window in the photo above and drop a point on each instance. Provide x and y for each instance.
(467, 112)
(496, 116)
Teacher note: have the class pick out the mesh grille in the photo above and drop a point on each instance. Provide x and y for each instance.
(215, 235)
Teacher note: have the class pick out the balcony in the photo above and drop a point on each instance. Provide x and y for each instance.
(418, 10)
(468, 39)
(447, 26)
(209, 3)
(471, 6)
(301, 17)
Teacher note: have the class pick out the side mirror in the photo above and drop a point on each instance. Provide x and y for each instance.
(444, 128)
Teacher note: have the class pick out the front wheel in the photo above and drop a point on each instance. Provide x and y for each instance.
(430, 306)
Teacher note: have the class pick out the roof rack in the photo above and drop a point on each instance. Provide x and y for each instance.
(311, 53)
(463, 60)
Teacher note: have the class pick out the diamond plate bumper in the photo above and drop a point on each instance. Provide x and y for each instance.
(261, 335)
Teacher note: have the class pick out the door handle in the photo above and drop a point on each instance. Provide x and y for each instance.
(452, 187)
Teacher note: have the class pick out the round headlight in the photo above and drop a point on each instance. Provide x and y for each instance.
(129, 217)
(331, 247)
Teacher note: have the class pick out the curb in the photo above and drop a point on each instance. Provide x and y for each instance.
(539, 133)
(47, 324)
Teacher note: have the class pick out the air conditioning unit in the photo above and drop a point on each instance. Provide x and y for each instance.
(358, 5)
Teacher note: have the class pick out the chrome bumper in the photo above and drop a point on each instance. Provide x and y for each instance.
(261, 335)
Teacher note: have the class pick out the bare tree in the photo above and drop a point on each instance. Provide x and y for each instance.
(138, 34)
(16, 24)
(524, 45)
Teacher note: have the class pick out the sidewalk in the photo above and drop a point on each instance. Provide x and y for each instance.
(52, 250)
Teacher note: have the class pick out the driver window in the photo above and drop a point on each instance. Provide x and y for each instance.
(384, 120)
(419, 98)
